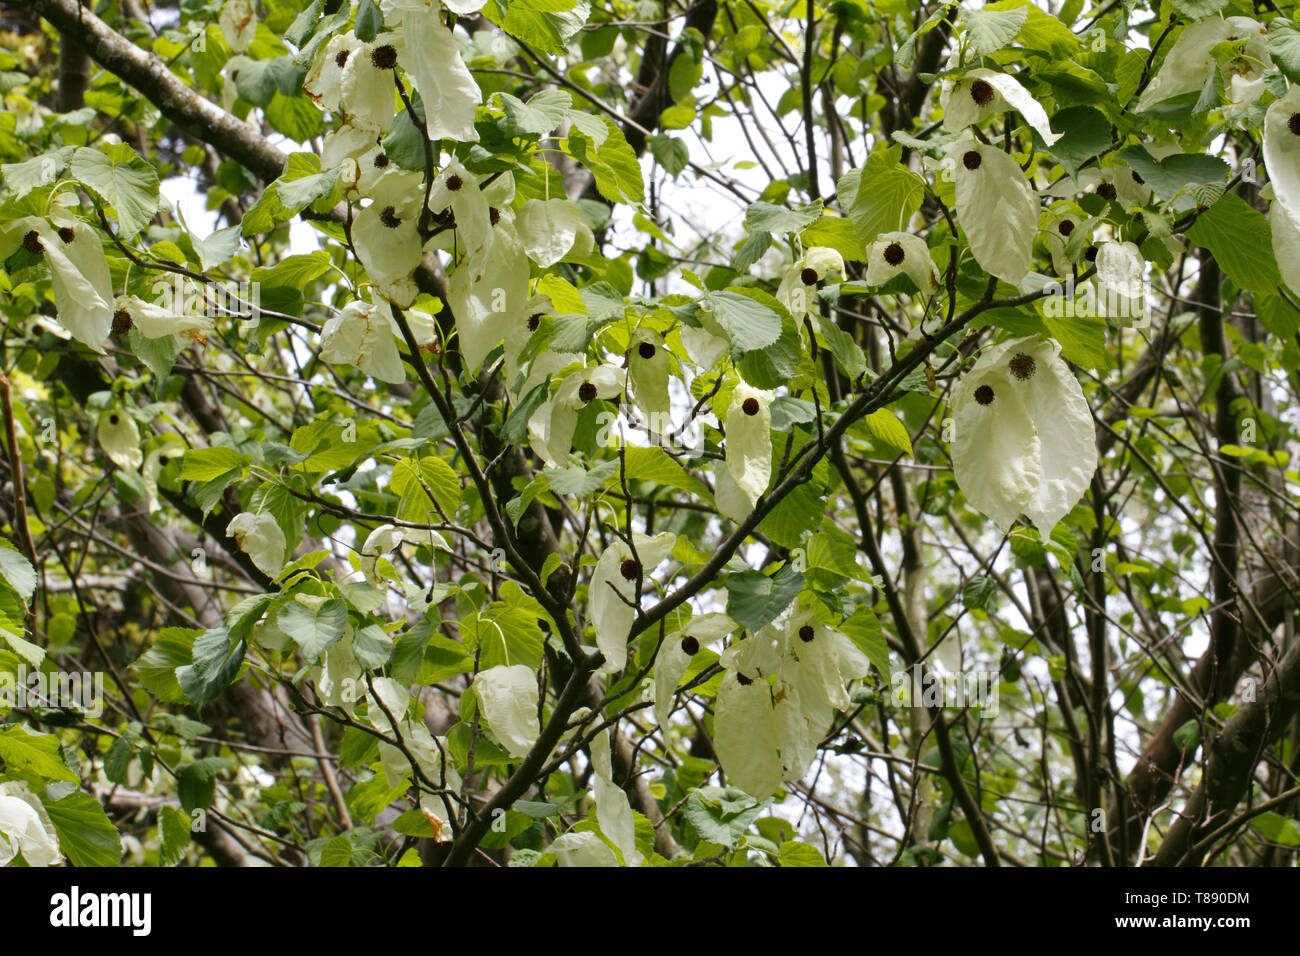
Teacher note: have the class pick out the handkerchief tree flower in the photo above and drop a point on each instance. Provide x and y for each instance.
(556, 433)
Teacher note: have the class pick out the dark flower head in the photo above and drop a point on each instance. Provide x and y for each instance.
(806, 633)
(534, 321)
(750, 406)
(1293, 124)
(32, 243)
(984, 395)
(1106, 191)
(494, 215)
(389, 217)
(454, 183)
(809, 276)
(1066, 227)
(384, 57)
(381, 160)
(646, 350)
(586, 391)
(690, 645)
(1091, 254)
(341, 58)
(121, 322)
(66, 234)
(1023, 366)
(981, 93)
(894, 254)
(629, 569)
(972, 159)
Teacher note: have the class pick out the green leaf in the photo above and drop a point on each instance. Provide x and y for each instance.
(204, 464)
(123, 180)
(654, 464)
(1199, 9)
(863, 629)
(613, 164)
(755, 600)
(196, 783)
(25, 752)
(885, 426)
(1087, 133)
(721, 816)
(670, 152)
(751, 319)
(218, 248)
(299, 119)
(539, 116)
(991, 30)
(764, 217)
(1175, 174)
(882, 195)
(775, 364)
(172, 648)
(1284, 47)
(1041, 30)
(86, 836)
(1276, 829)
(17, 571)
(1238, 236)
(370, 21)
(314, 630)
(978, 591)
(173, 834)
(794, 853)
(214, 664)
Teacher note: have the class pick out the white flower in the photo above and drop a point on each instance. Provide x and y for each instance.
(361, 173)
(749, 440)
(584, 849)
(83, 287)
(507, 699)
(1119, 279)
(613, 590)
(1024, 441)
(1286, 246)
(613, 812)
(367, 94)
(982, 93)
(259, 536)
(796, 289)
(362, 335)
(238, 22)
(155, 320)
(1190, 60)
(119, 436)
(745, 734)
(551, 427)
(458, 188)
(488, 293)
(324, 81)
(648, 371)
(436, 68)
(675, 653)
(25, 827)
(1282, 152)
(344, 144)
(387, 236)
(429, 752)
(895, 252)
(998, 209)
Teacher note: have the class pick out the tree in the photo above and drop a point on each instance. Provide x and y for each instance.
(496, 432)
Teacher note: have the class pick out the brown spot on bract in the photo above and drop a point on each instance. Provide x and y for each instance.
(984, 395)
(1023, 366)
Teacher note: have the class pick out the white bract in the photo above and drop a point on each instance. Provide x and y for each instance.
(507, 699)
(387, 236)
(611, 598)
(1286, 246)
(796, 290)
(429, 752)
(648, 370)
(436, 68)
(675, 655)
(1282, 152)
(613, 811)
(895, 252)
(585, 849)
(119, 436)
(1189, 62)
(259, 536)
(238, 22)
(1119, 279)
(1024, 442)
(488, 293)
(982, 93)
(749, 441)
(25, 827)
(551, 426)
(156, 320)
(83, 287)
(998, 208)
(362, 335)
(553, 229)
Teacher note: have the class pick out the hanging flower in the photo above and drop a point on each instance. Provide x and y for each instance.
(119, 436)
(430, 753)
(749, 441)
(552, 230)
(998, 209)
(981, 94)
(259, 536)
(156, 320)
(895, 252)
(1286, 245)
(798, 286)
(507, 699)
(582, 849)
(25, 827)
(612, 614)
(1119, 280)
(613, 811)
(675, 654)
(387, 236)
(1190, 61)
(551, 427)
(362, 335)
(1024, 441)
(437, 71)
(1282, 152)
(648, 370)
(82, 285)
(324, 81)
(367, 93)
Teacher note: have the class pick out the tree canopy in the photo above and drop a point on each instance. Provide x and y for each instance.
(596, 433)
